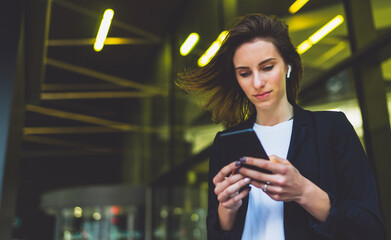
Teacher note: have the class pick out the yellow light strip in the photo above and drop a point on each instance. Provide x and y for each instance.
(212, 50)
(222, 36)
(326, 29)
(304, 46)
(209, 53)
(91, 41)
(296, 6)
(103, 29)
(189, 44)
(321, 33)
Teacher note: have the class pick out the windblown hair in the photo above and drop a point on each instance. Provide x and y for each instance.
(217, 80)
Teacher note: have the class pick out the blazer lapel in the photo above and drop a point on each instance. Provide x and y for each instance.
(299, 131)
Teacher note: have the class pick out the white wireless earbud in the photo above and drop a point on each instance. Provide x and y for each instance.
(288, 73)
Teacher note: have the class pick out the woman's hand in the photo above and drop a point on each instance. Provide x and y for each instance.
(227, 192)
(285, 183)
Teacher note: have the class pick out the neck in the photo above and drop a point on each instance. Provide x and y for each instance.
(273, 116)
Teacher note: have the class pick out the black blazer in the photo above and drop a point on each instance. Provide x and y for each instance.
(325, 149)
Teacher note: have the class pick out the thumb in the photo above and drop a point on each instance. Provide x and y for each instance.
(277, 159)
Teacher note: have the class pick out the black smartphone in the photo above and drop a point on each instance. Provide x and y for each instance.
(243, 143)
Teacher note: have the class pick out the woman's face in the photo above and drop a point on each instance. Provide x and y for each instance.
(261, 71)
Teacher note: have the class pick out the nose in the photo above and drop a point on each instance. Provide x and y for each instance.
(258, 81)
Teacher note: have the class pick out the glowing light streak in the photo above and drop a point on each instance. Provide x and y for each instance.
(321, 33)
(103, 29)
(326, 29)
(212, 50)
(189, 44)
(296, 6)
(304, 46)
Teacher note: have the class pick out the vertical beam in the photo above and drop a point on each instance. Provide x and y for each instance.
(174, 142)
(148, 213)
(147, 156)
(59, 223)
(11, 109)
(174, 137)
(230, 10)
(37, 15)
(371, 96)
(227, 10)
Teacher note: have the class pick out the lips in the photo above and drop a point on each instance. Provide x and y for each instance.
(262, 95)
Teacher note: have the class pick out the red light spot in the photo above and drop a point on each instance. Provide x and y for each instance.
(114, 210)
(114, 221)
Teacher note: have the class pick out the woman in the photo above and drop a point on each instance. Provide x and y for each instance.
(319, 184)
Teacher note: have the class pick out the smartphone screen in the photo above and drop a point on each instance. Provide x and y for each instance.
(243, 143)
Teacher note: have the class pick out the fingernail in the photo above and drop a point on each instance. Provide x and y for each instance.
(243, 159)
(238, 163)
(237, 170)
(246, 180)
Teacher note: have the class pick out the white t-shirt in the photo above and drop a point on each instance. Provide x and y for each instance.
(265, 216)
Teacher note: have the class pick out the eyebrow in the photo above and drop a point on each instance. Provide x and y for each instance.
(261, 63)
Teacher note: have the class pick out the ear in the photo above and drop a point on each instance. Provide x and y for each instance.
(288, 73)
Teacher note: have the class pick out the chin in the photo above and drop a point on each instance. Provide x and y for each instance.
(265, 106)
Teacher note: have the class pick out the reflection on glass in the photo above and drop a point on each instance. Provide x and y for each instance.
(78, 212)
(106, 223)
(179, 214)
(349, 107)
(381, 13)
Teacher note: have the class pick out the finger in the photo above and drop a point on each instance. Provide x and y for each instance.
(232, 189)
(280, 197)
(272, 166)
(271, 188)
(277, 159)
(227, 182)
(220, 176)
(233, 194)
(233, 201)
(261, 163)
(258, 184)
(256, 175)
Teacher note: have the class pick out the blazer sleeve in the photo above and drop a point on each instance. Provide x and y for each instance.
(214, 231)
(355, 212)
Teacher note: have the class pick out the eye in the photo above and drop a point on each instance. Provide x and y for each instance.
(244, 74)
(268, 68)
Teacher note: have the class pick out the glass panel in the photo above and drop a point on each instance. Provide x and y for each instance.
(327, 52)
(179, 213)
(101, 223)
(381, 13)
(386, 70)
(349, 107)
